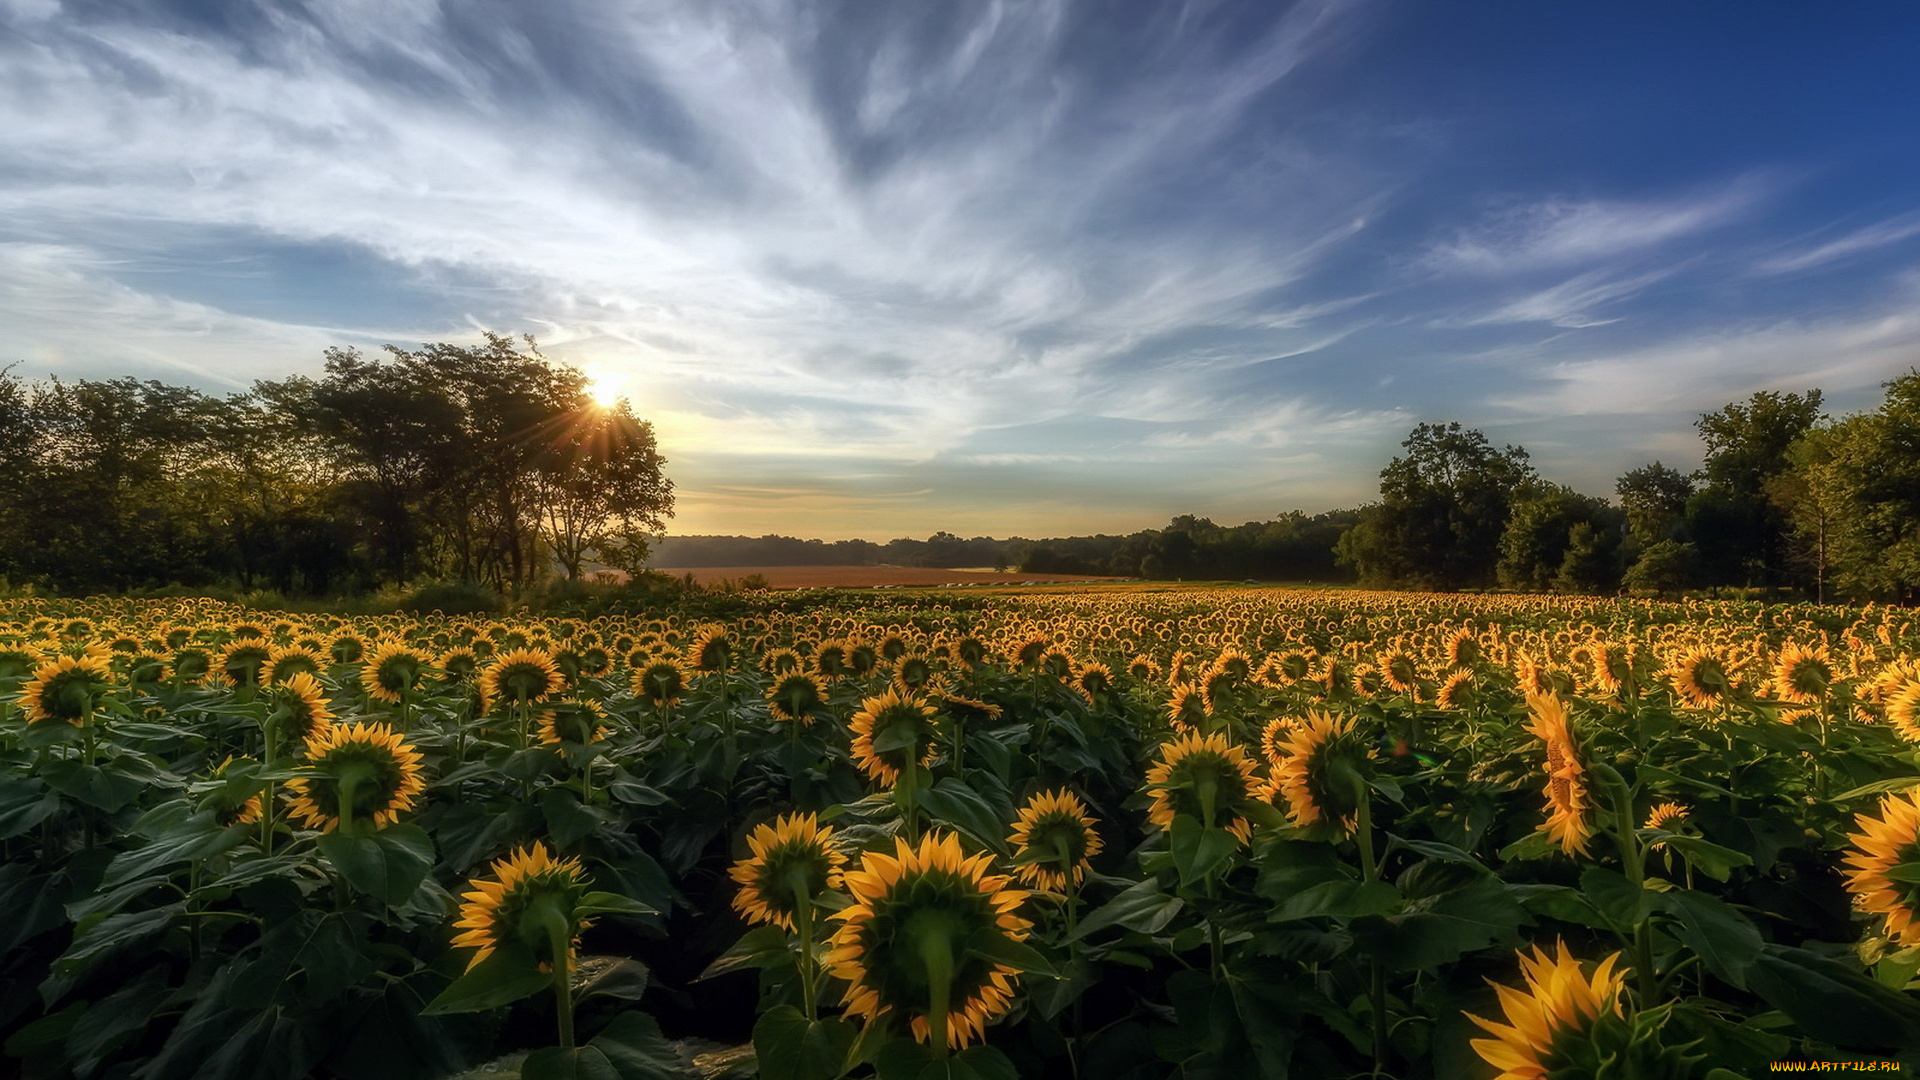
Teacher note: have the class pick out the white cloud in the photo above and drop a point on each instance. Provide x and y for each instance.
(1561, 231)
(1572, 303)
(1880, 234)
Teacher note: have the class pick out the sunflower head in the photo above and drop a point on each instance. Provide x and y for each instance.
(661, 681)
(530, 892)
(892, 732)
(284, 662)
(1188, 709)
(1319, 766)
(1702, 677)
(1053, 840)
(241, 662)
(301, 705)
(573, 722)
(1883, 845)
(393, 670)
(67, 688)
(356, 776)
(912, 673)
(1201, 776)
(793, 859)
(795, 697)
(1567, 803)
(1553, 1026)
(712, 649)
(902, 948)
(968, 652)
(521, 676)
(1802, 675)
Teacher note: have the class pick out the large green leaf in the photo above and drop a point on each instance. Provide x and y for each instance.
(1833, 1001)
(788, 1046)
(24, 803)
(1726, 942)
(1199, 852)
(1142, 907)
(389, 864)
(503, 978)
(956, 803)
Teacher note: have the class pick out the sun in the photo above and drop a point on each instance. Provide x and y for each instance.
(606, 389)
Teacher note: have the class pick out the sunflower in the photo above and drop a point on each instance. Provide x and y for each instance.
(968, 652)
(393, 670)
(1188, 710)
(661, 681)
(1054, 841)
(495, 912)
(830, 660)
(1566, 791)
(1399, 671)
(1463, 649)
(910, 941)
(912, 674)
(795, 697)
(1143, 669)
(1307, 773)
(1702, 678)
(67, 688)
(1802, 675)
(581, 723)
(284, 662)
(1613, 663)
(1885, 844)
(712, 650)
(1559, 1005)
(1095, 682)
(241, 662)
(302, 705)
(778, 662)
(1457, 692)
(791, 855)
(876, 717)
(1273, 737)
(521, 677)
(1201, 776)
(363, 772)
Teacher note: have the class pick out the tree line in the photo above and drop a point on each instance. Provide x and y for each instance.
(487, 464)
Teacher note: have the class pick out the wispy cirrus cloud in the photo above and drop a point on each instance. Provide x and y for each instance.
(1872, 237)
(1562, 231)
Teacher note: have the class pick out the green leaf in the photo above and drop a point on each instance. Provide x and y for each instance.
(198, 837)
(389, 864)
(1561, 902)
(1534, 845)
(100, 940)
(905, 1059)
(567, 820)
(91, 784)
(24, 803)
(1878, 787)
(956, 803)
(1199, 852)
(624, 980)
(606, 903)
(1623, 903)
(1338, 899)
(761, 947)
(788, 1046)
(1650, 772)
(1710, 859)
(1143, 908)
(580, 1063)
(508, 975)
(1726, 942)
(990, 943)
(637, 1050)
(897, 738)
(1440, 928)
(1907, 873)
(1833, 1001)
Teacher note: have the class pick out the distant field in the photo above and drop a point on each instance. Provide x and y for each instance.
(854, 577)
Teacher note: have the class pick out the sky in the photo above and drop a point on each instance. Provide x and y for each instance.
(1036, 267)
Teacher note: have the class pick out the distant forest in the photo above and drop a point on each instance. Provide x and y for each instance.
(491, 468)
(1293, 547)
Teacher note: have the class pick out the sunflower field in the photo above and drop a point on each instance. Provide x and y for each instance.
(1123, 833)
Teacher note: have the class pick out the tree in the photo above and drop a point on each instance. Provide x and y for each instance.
(1665, 567)
(1654, 498)
(1537, 549)
(1443, 507)
(601, 489)
(1740, 532)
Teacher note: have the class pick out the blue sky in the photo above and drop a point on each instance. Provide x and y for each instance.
(876, 269)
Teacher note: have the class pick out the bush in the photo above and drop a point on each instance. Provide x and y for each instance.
(450, 598)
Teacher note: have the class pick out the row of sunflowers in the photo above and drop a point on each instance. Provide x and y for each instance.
(1123, 833)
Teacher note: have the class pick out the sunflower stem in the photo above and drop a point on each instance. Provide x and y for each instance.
(936, 952)
(559, 938)
(803, 922)
(1377, 973)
